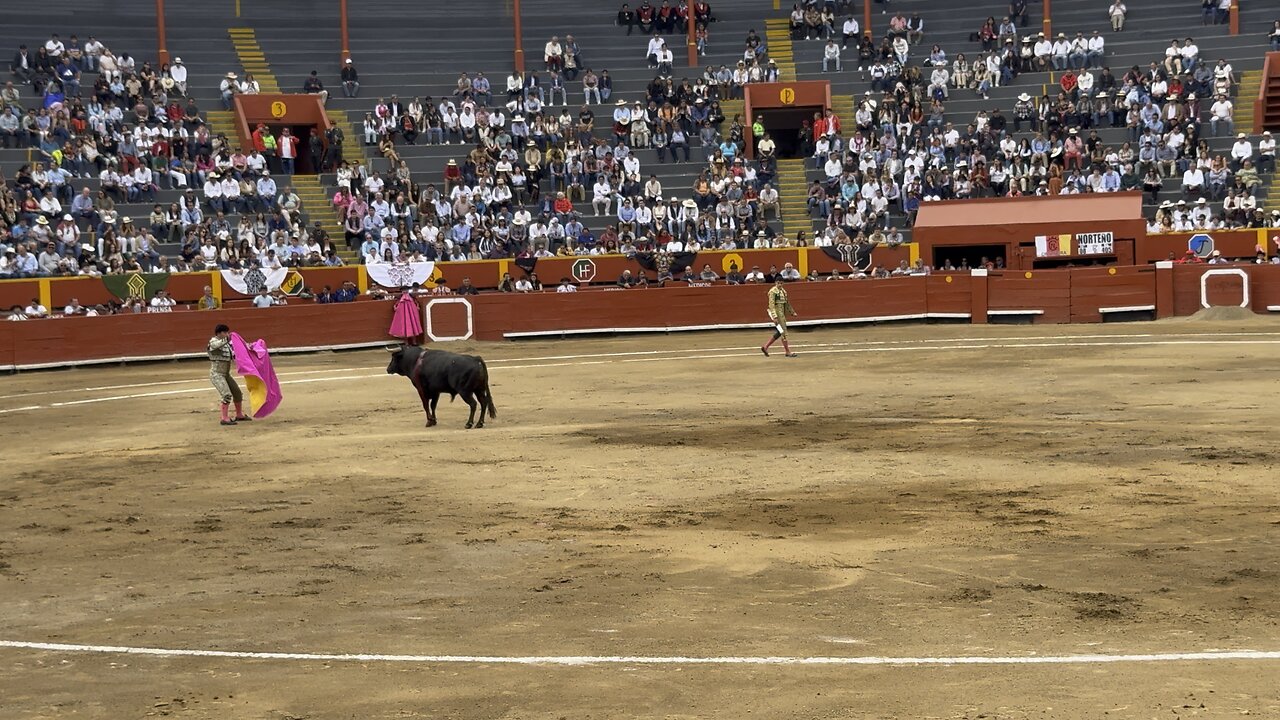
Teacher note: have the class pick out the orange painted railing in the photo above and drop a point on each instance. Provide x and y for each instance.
(1270, 71)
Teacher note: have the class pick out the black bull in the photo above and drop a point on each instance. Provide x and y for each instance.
(435, 372)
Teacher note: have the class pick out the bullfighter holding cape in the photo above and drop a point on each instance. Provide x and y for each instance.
(251, 361)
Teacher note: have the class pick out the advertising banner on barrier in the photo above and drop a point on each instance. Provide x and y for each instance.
(254, 280)
(398, 275)
(1099, 243)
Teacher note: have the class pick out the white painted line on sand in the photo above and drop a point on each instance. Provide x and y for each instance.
(581, 660)
(160, 383)
(816, 349)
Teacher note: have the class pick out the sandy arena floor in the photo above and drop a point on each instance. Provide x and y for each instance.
(909, 491)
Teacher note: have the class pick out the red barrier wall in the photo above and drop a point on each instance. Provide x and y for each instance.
(65, 340)
(1048, 291)
(1068, 295)
(1093, 289)
(496, 316)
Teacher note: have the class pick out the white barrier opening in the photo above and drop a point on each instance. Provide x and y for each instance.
(427, 314)
(1204, 284)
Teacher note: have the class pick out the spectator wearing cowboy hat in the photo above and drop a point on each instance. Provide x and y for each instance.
(228, 89)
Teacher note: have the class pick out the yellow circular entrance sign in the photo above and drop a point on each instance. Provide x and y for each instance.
(787, 95)
(278, 109)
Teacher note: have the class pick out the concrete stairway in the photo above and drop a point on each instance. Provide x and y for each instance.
(252, 59)
(778, 42)
(793, 191)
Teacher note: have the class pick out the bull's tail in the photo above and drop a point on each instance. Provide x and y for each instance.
(488, 396)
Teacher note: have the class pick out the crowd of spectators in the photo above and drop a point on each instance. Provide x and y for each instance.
(531, 173)
(525, 181)
(904, 148)
(88, 114)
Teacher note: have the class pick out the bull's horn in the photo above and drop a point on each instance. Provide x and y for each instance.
(393, 349)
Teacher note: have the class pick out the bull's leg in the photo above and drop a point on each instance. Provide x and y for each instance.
(431, 409)
(470, 400)
(426, 405)
(482, 404)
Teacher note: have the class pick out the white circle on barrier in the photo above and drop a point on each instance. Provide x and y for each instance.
(426, 319)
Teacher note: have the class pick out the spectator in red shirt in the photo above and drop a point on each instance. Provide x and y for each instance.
(563, 207)
(1069, 82)
(452, 176)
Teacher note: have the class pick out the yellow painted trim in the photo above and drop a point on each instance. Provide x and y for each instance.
(46, 295)
(504, 267)
(215, 282)
(914, 249)
(802, 262)
(362, 279)
(237, 8)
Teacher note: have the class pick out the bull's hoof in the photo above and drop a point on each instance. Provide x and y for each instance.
(431, 423)
(479, 425)
(469, 426)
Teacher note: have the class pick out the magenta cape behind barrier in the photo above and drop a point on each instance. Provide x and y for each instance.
(254, 363)
(406, 323)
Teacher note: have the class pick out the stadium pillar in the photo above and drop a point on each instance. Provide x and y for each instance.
(162, 51)
(977, 296)
(519, 58)
(866, 18)
(342, 26)
(1164, 289)
(691, 21)
(1235, 17)
(1048, 22)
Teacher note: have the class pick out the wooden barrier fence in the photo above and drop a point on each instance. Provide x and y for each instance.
(1049, 296)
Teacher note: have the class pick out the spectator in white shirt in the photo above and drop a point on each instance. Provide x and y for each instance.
(1173, 58)
(939, 80)
(1192, 181)
(850, 31)
(161, 303)
(601, 196)
(1117, 13)
(178, 72)
(1241, 151)
(1266, 153)
(36, 310)
(566, 286)
(1097, 50)
(1222, 113)
(1079, 57)
(1061, 52)
(656, 44)
(1190, 55)
(1084, 82)
(830, 55)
